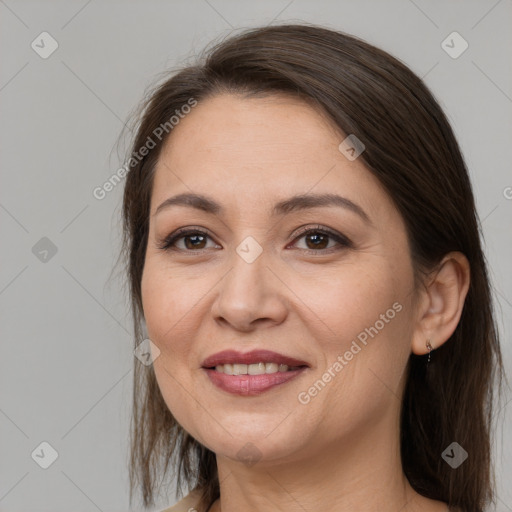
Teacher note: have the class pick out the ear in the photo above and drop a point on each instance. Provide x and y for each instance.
(441, 302)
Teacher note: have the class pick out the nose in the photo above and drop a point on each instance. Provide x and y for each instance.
(250, 295)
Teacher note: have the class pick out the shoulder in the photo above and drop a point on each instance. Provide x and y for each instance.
(187, 504)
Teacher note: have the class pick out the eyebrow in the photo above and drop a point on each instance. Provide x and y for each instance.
(292, 204)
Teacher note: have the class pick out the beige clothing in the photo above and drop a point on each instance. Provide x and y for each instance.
(187, 504)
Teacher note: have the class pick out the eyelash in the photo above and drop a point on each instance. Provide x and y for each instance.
(167, 244)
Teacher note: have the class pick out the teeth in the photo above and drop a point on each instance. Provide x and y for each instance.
(271, 367)
(256, 369)
(252, 369)
(239, 369)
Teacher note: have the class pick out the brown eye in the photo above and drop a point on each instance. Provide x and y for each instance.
(193, 240)
(318, 239)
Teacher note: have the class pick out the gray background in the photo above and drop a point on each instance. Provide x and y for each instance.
(66, 365)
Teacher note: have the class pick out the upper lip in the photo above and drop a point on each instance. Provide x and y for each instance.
(254, 356)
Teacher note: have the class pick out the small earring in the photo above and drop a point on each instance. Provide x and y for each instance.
(430, 348)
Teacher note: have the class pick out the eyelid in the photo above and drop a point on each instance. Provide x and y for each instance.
(167, 242)
(342, 241)
(323, 229)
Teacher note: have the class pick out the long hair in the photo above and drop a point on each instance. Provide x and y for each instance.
(411, 149)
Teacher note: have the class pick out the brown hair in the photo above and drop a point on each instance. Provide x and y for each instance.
(411, 149)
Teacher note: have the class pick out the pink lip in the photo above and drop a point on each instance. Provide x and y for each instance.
(255, 356)
(250, 384)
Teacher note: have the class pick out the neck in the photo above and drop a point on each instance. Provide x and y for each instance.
(360, 474)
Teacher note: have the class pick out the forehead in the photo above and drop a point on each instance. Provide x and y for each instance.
(265, 129)
(260, 148)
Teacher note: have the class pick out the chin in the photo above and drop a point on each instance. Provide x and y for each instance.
(258, 443)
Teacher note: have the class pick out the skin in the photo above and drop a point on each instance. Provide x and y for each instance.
(340, 451)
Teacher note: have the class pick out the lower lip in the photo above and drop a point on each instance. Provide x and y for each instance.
(251, 384)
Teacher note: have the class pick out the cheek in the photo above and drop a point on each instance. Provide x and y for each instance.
(169, 303)
(348, 299)
(361, 313)
(169, 312)
(368, 313)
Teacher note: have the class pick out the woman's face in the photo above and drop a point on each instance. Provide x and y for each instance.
(338, 300)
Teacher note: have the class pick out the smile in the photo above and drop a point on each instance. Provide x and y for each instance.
(251, 373)
(254, 369)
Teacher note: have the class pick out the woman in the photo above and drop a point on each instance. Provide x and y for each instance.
(303, 250)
